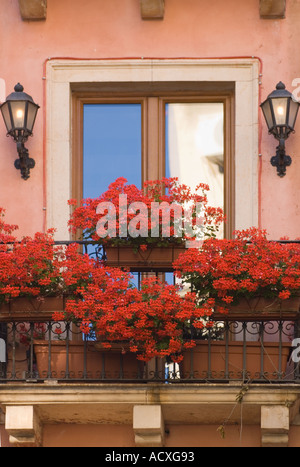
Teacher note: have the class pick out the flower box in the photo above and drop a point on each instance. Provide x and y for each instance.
(149, 222)
(160, 258)
(92, 362)
(37, 308)
(261, 308)
(218, 362)
(226, 271)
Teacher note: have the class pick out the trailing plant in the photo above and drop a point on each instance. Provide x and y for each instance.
(103, 301)
(36, 267)
(152, 320)
(164, 212)
(223, 271)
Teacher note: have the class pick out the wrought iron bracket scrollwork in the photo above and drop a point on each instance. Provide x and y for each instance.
(281, 161)
(24, 163)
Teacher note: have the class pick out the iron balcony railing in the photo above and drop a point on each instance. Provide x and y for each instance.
(260, 351)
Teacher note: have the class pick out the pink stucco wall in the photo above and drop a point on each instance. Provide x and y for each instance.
(114, 28)
(116, 436)
(184, 436)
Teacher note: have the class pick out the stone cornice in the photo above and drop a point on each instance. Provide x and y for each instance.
(56, 402)
(146, 408)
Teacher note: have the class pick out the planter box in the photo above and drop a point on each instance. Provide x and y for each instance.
(28, 308)
(262, 308)
(154, 258)
(95, 364)
(220, 363)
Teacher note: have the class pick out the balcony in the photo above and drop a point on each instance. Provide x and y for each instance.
(61, 375)
(228, 351)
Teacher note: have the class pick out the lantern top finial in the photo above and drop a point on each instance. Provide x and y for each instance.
(19, 88)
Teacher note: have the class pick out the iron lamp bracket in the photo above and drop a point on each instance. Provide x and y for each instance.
(24, 163)
(281, 160)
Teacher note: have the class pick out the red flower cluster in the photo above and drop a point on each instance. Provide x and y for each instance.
(249, 265)
(102, 300)
(152, 319)
(35, 266)
(138, 212)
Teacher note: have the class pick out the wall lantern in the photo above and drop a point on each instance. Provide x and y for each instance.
(19, 113)
(280, 110)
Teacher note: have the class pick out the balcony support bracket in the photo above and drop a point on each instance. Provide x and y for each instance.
(33, 10)
(23, 426)
(275, 421)
(152, 9)
(272, 9)
(148, 425)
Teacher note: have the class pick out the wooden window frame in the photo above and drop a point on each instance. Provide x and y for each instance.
(153, 103)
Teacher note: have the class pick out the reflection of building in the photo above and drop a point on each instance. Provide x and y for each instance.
(195, 137)
(74, 53)
(196, 147)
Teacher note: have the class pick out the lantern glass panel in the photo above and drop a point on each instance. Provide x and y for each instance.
(266, 108)
(294, 107)
(280, 110)
(18, 109)
(6, 116)
(32, 111)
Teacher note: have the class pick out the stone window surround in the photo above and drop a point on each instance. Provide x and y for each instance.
(62, 73)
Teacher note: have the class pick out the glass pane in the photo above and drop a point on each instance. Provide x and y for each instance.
(32, 111)
(280, 107)
(6, 116)
(18, 111)
(266, 108)
(111, 146)
(195, 146)
(294, 107)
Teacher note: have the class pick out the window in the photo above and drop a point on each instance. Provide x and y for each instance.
(153, 84)
(153, 136)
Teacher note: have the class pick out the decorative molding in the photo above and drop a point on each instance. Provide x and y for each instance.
(33, 10)
(152, 9)
(272, 9)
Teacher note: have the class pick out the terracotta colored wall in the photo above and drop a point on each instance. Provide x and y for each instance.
(120, 436)
(4, 443)
(114, 28)
(68, 435)
(64, 435)
(179, 436)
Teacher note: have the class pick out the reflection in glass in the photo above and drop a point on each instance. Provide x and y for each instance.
(195, 146)
(111, 146)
